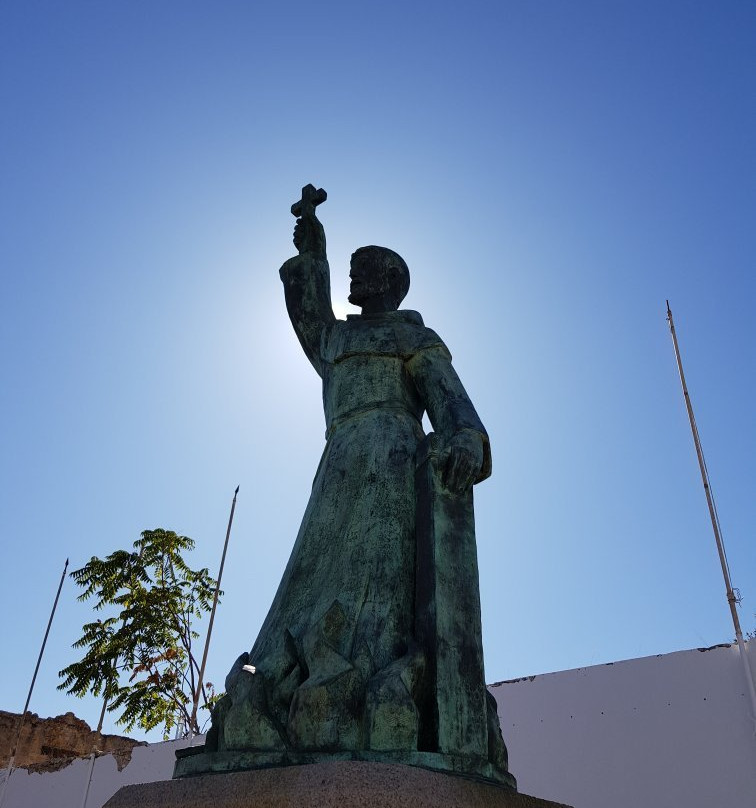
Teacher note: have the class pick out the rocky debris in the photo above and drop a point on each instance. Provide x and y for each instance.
(48, 744)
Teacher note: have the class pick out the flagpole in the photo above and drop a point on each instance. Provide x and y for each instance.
(732, 600)
(14, 749)
(93, 755)
(193, 719)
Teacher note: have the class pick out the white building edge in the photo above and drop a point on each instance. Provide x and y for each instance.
(665, 731)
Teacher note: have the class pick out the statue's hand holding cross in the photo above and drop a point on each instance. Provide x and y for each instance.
(309, 236)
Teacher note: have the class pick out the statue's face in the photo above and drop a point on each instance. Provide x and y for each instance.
(369, 279)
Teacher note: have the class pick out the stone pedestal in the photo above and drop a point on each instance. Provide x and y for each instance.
(344, 784)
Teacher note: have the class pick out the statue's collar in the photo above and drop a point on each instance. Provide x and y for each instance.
(402, 316)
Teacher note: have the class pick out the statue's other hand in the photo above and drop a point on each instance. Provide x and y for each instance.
(309, 236)
(462, 461)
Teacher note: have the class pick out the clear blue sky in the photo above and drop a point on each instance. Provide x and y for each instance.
(551, 172)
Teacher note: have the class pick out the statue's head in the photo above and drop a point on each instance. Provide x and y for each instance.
(379, 279)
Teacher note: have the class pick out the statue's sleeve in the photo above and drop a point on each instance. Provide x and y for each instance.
(446, 401)
(307, 290)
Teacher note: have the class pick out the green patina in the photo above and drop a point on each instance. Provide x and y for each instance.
(371, 649)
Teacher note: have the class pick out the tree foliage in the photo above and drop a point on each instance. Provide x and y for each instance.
(140, 657)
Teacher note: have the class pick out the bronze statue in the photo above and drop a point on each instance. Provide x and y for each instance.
(371, 649)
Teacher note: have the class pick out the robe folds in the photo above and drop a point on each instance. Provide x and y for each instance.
(336, 661)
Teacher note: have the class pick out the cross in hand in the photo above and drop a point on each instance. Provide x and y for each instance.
(308, 232)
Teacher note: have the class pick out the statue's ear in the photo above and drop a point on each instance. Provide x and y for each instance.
(395, 280)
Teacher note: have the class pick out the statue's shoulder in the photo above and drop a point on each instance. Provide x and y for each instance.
(396, 333)
(414, 335)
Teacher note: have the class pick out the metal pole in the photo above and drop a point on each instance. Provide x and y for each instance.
(731, 599)
(31, 687)
(93, 755)
(193, 719)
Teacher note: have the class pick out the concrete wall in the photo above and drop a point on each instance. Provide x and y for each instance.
(665, 732)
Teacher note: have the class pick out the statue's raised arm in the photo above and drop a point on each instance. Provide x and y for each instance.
(306, 277)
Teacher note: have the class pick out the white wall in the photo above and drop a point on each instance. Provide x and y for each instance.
(671, 731)
(65, 787)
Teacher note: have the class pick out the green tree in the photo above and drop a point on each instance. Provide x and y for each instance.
(140, 658)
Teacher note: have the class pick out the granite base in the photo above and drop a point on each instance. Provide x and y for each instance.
(341, 784)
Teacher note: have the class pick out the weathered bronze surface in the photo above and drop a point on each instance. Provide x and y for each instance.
(371, 649)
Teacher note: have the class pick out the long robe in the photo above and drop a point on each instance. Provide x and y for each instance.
(338, 644)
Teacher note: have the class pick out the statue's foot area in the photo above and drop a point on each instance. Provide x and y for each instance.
(316, 703)
(319, 693)
(195, 761)
(248, 723)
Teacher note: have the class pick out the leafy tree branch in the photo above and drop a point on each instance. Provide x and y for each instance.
(140, 658)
